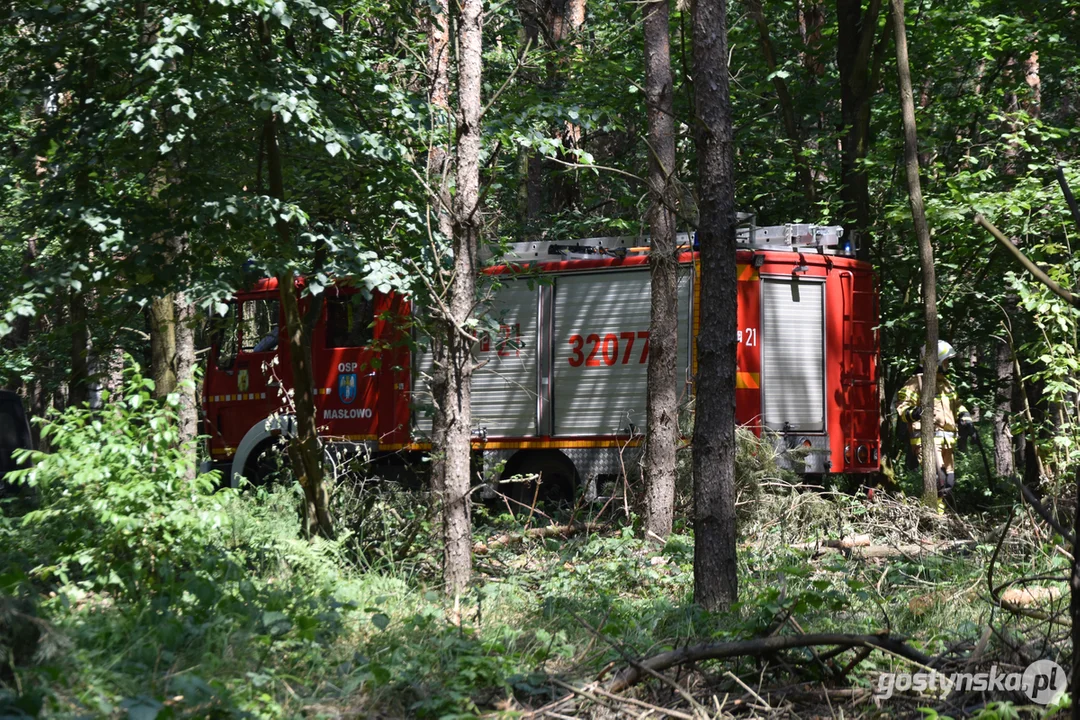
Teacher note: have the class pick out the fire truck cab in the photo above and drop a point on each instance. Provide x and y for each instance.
(560, 386)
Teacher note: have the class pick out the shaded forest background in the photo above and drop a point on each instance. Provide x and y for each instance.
(135, 166)
(157, 156)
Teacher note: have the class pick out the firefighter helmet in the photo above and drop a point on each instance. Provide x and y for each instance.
(945, 351)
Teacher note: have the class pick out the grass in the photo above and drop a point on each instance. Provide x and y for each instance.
(280, 628)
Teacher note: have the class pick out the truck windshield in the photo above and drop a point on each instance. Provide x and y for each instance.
(348, 321)
(259, 326)
(223, 334)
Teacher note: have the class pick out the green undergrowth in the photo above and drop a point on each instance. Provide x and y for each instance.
(290, 631)
(235, 616)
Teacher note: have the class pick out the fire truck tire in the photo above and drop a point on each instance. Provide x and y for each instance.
(558, 476)
(268, 465)
(255, 439)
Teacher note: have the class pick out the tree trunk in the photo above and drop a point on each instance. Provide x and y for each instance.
(811, 20)
(715, 576)
(439, 167)
(662, 424)
(306, 446)
(454, 397)
(79, 379)
(859, 64)
(530, 162)
(1004, 461)
(163, 345)
(555, 21)
(1074, 605)
(565, 18)
(926, 256)
(185, 368)
(787, 106)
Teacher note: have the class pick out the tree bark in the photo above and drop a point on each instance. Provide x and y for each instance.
(556, 20)
(185, 369)
(163, 345)
(859, 65)
(662, 423)
(1074, 603)
(926, 256)
(306, 447)
(531, 162)
(715, 576)
(787, 106)
(439, 167)
(79, 379)
(811, 20)
(1004, 460)
(453, 397)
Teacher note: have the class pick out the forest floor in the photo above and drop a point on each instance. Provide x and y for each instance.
(357, 627)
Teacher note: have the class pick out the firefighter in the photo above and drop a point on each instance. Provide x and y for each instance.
(950, 416)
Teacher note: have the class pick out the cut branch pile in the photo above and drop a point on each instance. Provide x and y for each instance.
(548, 531)
(760, 647)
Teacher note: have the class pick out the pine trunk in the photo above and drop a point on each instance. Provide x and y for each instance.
(438, 169)
(715, 576)
(926, 256)
(662, 401)
(455, 395)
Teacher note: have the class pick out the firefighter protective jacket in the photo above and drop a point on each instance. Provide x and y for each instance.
(947, 408)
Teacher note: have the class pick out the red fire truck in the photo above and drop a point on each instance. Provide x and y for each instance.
(560, 388)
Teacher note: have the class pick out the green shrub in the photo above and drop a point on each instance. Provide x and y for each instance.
(118, 504)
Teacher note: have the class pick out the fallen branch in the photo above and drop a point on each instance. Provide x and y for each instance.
(629, 676)
(642, 704)
(881, 551)
(1043, 512)
(807, 693)
(549, 531)
(1027, 264)
(1074, 209)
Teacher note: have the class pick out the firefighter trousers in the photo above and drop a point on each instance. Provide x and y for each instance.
(946, 471)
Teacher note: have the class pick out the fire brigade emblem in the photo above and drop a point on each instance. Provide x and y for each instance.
(346, 387)
(242, 383)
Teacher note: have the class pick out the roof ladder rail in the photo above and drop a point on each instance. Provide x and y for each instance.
(794, 237)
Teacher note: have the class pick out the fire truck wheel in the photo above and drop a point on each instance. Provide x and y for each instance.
(558, 477)
(268, 465)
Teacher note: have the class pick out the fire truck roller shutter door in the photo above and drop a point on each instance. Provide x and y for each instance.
(504, 387)
(793, 354)
(421, 404)
(600, 350)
